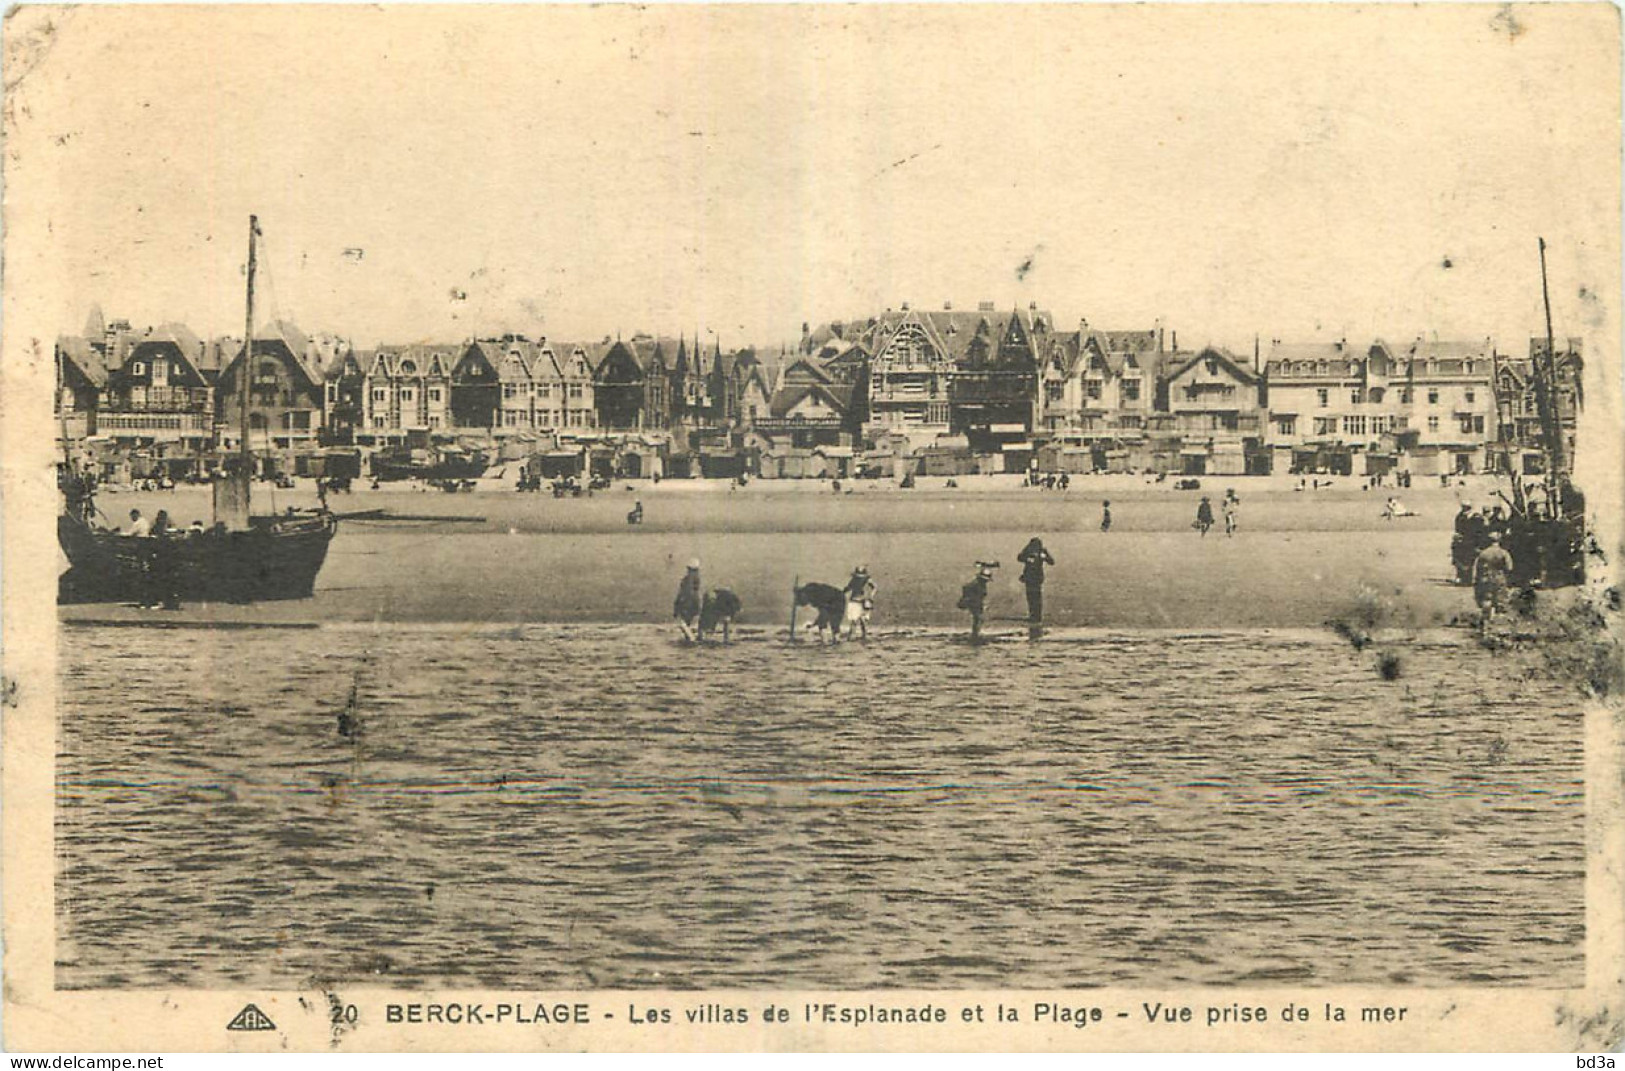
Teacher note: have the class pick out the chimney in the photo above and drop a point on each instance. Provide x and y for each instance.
(1175, 346)
(905, 306)
(984, 306)
(1159, 338)
(947, 306)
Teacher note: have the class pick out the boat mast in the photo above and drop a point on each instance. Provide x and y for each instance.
(245, 453)
(1545, 372)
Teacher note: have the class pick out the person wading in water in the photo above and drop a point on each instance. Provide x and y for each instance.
(973, 597)
(1033, 558)
(686, 607)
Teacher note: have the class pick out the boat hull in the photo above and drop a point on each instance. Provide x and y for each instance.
(275, 558)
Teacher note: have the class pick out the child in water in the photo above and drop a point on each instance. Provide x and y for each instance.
(973, 597)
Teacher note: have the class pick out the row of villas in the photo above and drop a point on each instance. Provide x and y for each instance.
(1132, 401)
(924, 390)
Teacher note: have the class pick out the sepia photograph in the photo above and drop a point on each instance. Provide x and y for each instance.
(812, 527)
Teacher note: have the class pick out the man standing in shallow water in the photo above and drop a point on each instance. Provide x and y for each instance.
(1033, 558)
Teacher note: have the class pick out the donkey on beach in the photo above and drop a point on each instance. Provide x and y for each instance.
(830, 602)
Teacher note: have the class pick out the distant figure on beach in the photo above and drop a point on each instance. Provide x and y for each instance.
(686, 608)
(635, 515)
(1491, 569)
(1033, 558)
(719, 609)
(860, 602)
(1230, 507)
(139, 525)
(973, 597)
(830, 602)
(1395, 508)
(1204, 516)
(1105, 516)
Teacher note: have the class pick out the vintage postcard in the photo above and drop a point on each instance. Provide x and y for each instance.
(812, 527)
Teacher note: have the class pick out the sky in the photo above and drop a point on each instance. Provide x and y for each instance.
(433, 173)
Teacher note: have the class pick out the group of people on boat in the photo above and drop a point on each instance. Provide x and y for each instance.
(160, 580)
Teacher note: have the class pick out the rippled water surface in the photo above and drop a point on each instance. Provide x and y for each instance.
(547, 807)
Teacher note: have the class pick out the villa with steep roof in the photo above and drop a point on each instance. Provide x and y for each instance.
(956, 372)
(286, 392)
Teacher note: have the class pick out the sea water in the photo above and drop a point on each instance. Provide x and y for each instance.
(600, 806)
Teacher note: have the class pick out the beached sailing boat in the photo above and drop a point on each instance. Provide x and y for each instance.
(242, 558)
(1546, 533)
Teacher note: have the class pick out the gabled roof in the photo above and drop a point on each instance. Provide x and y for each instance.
(846, 353)
(837, 396)
(295, 339)
(551, 359)
(181, 336)
(953, 332)
(1177, 365)
(84, 357)
(809, 368)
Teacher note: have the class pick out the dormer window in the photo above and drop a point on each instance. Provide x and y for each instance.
(138, 368)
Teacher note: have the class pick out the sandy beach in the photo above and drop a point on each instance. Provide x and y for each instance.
(1298, 558)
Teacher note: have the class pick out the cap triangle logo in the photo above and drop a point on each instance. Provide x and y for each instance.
(251, 1018)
